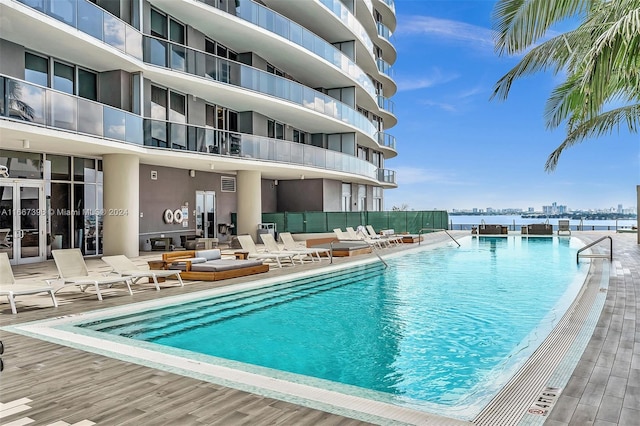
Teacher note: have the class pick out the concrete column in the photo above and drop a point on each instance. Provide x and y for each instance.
(638, 210)
(121, 204)
(249, 203)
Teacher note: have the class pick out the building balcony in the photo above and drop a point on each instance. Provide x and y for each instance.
(350, 21)
(387, 176)
(273, 22)
(94, 21)
(386, 36)
(386, 140)
(44, 107)
(183, 59)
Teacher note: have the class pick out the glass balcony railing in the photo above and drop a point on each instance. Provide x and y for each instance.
(386, 104)
(391, 4)
(91, 19)
(386, 140)
(341, 11)
(384, 32)
(180, 58)
(50, 108)
(385, 68)
(273, 22)
(369, 5)
(387, 176)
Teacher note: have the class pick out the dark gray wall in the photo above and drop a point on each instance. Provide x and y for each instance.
(300, 195)
(12, 63)
(269, 196)
(172, 189)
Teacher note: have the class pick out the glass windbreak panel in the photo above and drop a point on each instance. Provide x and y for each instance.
(22, 165)
(178, 136)
(133, 42)
(84, 169)
(64, 10)
(60, 199)
(134, 129)
(297, 154)
(90, 19)
(59, 167)
(158, 134)
(178, 55)
(36, 4)
(6, 219)
(36, 69)
(114, 123)
(29, 221)
(156, 52)
(63, 77)
(114, 32)
(87, 85)
(63, 111)
(90, 118)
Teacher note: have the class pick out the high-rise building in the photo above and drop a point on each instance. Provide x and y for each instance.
(131, 119)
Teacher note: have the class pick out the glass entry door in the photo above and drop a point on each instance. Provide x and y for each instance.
(22, 221)
(205, 214)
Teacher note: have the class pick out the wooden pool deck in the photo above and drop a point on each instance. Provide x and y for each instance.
(50, 383)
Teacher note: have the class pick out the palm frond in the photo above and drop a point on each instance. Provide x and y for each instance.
(520, 23)
(603, 124)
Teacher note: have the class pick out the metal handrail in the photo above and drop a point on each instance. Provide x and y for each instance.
(435, 229)
(594, 243)
(372, 246)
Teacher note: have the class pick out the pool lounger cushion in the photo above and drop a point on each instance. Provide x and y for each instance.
(208, 265)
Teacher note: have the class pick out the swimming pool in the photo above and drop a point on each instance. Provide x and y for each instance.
(441, 330)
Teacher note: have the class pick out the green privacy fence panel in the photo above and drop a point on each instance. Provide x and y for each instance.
(320, 222)
(414, 221)
(316, 222)
(295, 222)
(379, 220)
(336, 220)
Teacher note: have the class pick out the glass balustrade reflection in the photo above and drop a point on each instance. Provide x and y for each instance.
(341, 11)
(93, 20)
(47, 107)
(272, 21)
(163, 53)
(387, 140)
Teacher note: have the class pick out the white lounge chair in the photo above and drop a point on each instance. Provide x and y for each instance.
(10, 288)
(72, 270)
(250, 247)
(272, 247)
(389, 238)
(341, 235)
(124, 267)
(355, 236)
(290, 244)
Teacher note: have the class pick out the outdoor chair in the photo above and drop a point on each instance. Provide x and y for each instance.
(72, 271)
(10, 288)
(4, 238)
(272, 247)
(563, 226)
(354, 236)
(389, 238)
(250, 247)
(124, 267)
(291, 245)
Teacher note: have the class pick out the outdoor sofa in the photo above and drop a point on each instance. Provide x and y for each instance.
(208, 265)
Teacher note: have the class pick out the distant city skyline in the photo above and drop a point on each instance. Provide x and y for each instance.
(457, 149)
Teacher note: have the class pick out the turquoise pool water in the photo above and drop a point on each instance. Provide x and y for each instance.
(444, 327)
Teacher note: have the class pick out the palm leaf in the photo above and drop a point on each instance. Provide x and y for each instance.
(603, 124)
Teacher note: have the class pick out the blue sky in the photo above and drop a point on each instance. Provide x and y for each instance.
(457, 149)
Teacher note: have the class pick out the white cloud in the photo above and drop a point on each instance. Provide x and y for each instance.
(435, 78)
(408, 175)
(450, 30)
(442, 105)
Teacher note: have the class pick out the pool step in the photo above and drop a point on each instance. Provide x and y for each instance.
(159, 323)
